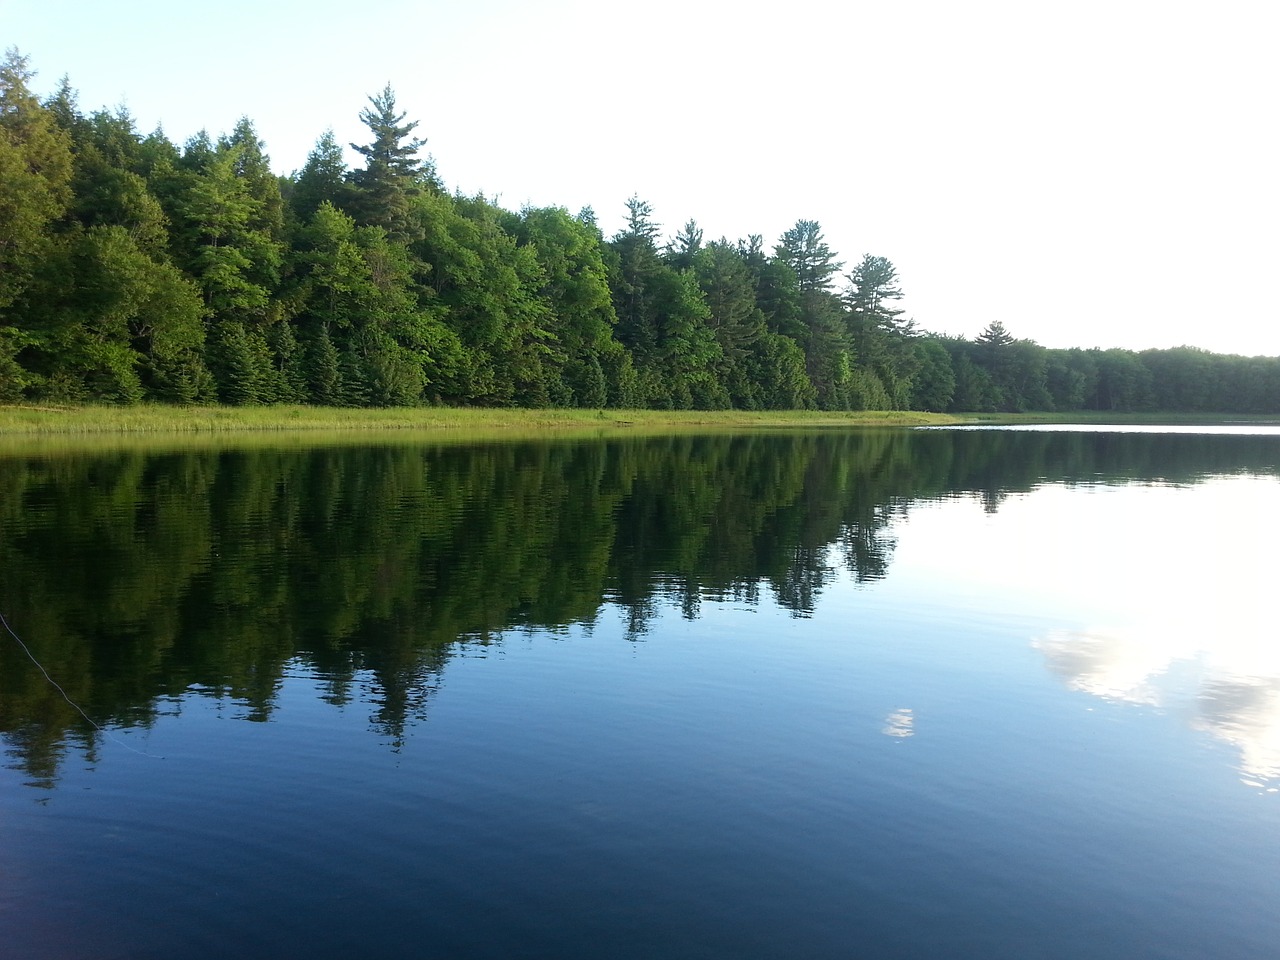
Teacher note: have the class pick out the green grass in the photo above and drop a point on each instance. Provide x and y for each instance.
(67, 430)
(56, 430)
(31, 421)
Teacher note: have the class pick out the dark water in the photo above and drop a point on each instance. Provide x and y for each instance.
(887, 694)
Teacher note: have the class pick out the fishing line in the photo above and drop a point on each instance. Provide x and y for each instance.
(54, 683)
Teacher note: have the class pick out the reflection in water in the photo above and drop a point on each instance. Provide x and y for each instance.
(1234, 693)
(1245, 712)
(1107, 666)
(140, 578)
(900, 723)
(631, 698)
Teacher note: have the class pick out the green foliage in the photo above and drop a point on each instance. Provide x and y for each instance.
(778, 370)
(241, 363)
(573, 285)
(108, 187)
(685, 246)
(1069, 379)
(873, 287)
(974, 390)
(803, 249)
(320, 369)
(995, 336)
(367, 338)
(227, 225)
(690, 357)
(102, 312)
(935, 382)
(130, 269)
(14, 378)
(634, 268)
(393, 174)
(487, 286)
(1123, 382)
(35, 177)
(322, 180)
(777, 293)
(729, 291)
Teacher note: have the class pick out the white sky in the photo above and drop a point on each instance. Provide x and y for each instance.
(1089, 173)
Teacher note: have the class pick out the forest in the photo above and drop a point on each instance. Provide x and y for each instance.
(136, 270)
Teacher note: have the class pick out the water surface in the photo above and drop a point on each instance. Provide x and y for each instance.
(891, 694)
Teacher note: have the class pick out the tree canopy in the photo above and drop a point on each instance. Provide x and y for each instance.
(135, 269)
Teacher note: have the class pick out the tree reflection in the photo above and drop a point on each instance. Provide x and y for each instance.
(138, 578)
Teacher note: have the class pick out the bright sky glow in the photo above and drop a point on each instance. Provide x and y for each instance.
(1164, 617)
(1090, 174)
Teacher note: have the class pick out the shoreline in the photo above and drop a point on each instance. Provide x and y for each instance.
(154, 420)
(54, 430)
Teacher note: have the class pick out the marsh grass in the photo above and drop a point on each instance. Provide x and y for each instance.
(155, 419)
(62, 431)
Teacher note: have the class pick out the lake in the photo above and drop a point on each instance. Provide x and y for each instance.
(932, 693)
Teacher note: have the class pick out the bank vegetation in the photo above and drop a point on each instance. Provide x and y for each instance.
(135, 270)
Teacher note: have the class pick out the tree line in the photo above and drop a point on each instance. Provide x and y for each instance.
(132, 269)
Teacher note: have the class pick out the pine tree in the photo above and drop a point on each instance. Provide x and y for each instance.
(685, 245)
(827, 350)
(35, 176)
(322, 179)
(804, 250)
(637, 267)
(393, 172)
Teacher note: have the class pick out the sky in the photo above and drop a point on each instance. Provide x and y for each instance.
(1090, 174)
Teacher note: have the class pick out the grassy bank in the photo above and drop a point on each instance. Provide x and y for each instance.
(33, 421)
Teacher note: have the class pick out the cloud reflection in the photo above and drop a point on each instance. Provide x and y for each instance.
(1230, 688)
(900, 723)
(1245, 712)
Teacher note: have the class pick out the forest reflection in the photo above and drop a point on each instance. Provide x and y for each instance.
(139, 577)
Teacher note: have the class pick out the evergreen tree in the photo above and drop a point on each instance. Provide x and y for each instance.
(252, 168)
(777, 290)
(733, 316)
(778, 373)
(873, 287)
(35, 176)
(637, 266)
(879, 341)
(804, 250)
(685, 246)
(215, 217)
(321, 371)
(685, 370)
(994, 336)
(974, 390)
(393, 172)
(108, 190)
(823, 334)
(323, 178)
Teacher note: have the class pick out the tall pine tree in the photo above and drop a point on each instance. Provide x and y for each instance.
(393, 171)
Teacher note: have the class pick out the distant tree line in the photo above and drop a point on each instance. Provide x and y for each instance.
(132, 270)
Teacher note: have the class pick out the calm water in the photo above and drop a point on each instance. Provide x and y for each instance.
(893, 694)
